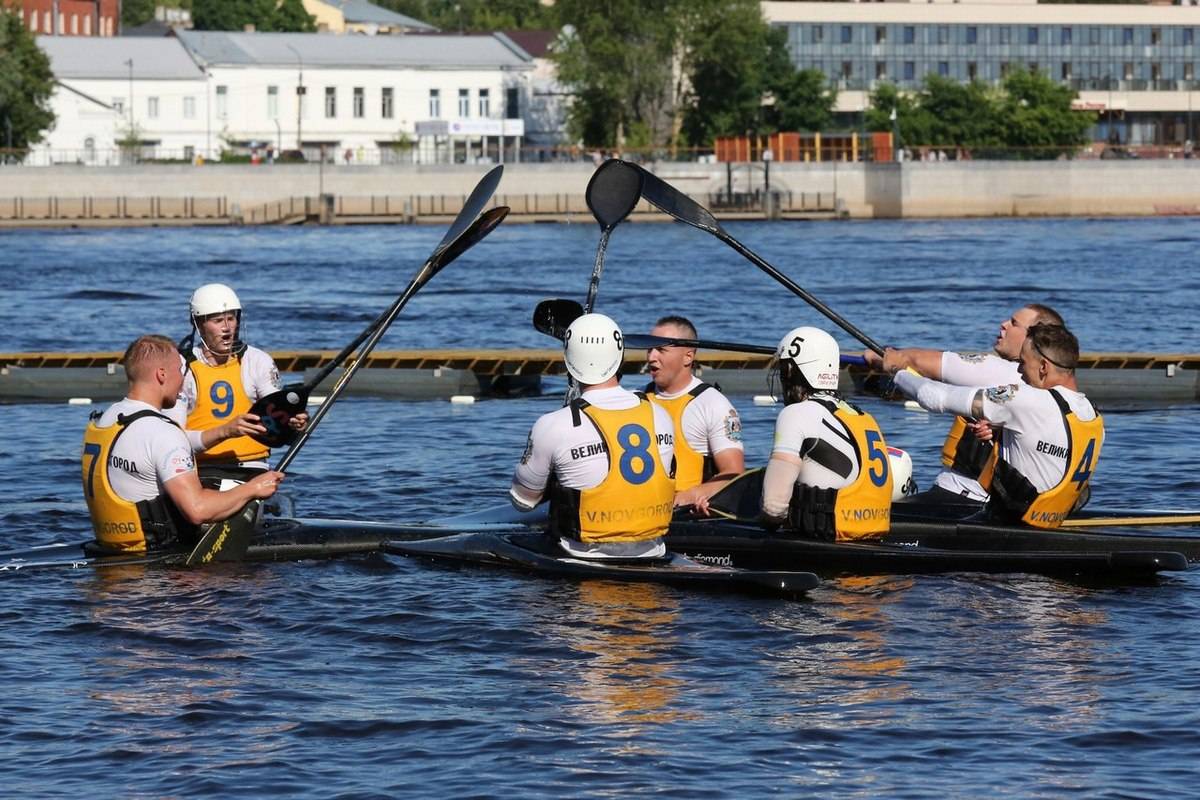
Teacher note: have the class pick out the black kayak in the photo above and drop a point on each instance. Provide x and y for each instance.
(750, 546)
(538, 552)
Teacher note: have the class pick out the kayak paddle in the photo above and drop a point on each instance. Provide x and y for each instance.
(612, 193)
(228, 540)
(683, 208)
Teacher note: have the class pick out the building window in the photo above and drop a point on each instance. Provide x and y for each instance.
(880, 34)
(1031, 35)
(910, 34)
(818, 34)
(152, 107)
(1187, 36)
(74, 25)
(512, 103)
(387, 103)
(1094, 35)
(847, 34)
(33, 22)
(1003, 69)
(880, 70)
(485, 103)
(1156, 36)
(189, 152)
(910, 71)
(1064, 36)
(943, 34)
(1127, 71)
(330, 102)
(1156, 71)
(1033, 68)
(46, 18)
(1189, 72)
(944, 69)
(222, 102)
(1066, 70)
(464, 103)
(87, 26)
(972, 70)
(1005, 34)
(1126, 36)
(189, 108)
(847, 70)
(272, 102)
(435, 103)
(972, 34)
(359, 102)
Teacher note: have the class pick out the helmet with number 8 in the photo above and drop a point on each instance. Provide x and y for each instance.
(593, 349)
(814, 354)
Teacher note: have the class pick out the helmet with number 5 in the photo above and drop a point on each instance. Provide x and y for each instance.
(812, 353)
(593, 349)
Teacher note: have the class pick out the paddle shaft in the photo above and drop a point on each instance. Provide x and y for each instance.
(1110, 522)
(683, 208)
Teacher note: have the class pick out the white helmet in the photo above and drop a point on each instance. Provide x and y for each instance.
(903, 483)
(815, 353)
(593, 349)
(213, 298)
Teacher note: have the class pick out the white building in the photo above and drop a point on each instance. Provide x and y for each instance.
(357, 99)
(114, 91)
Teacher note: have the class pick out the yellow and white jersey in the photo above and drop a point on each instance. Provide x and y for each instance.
(706, 423)
(972, 369)
(576, 454)
(146, 455)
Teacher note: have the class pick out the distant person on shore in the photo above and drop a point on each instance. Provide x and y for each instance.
(829, 476)
(708, 431)
(139, 475)
(604, 459)
(225, 377)
(964, 454)
(1050, 433)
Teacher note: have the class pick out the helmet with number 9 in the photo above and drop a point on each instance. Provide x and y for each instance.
(593, 349)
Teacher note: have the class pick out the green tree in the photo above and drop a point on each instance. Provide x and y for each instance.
(1038, 118)
(914, 123)
(476, 15)
(26, 85)
(730, 56)
(617, 57)
(285, 16)
(136, 12)
(804, 100)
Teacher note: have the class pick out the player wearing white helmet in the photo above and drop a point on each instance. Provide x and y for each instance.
(604, 459)
(829, 476)
(708, 430)
(225, 377)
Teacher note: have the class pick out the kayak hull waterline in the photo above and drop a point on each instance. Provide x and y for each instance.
(537, 552)
(910, 548)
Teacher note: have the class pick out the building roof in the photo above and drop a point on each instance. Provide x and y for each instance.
(536, 43)
(362, 12)
(108, 57)
(224, 48)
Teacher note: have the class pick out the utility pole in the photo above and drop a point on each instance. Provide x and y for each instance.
(129, 63)
(299, 99)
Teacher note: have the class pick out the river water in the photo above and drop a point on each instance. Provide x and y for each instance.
(382, 677)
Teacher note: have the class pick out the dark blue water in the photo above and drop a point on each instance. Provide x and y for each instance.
(381, 677)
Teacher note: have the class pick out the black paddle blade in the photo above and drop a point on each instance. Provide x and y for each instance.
(674, 202)
(613, 192)
(479, 198)
(227, 540)
(468, 237)
(553, 317)
(276, 410)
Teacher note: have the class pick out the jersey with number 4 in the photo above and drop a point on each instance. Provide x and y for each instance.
(215, 394)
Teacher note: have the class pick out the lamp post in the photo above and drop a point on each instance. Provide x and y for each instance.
(299, 98)
(129, 63)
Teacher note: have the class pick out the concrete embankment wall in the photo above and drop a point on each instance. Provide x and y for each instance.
(915, 189)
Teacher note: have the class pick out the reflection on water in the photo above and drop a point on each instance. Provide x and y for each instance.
(625, 634)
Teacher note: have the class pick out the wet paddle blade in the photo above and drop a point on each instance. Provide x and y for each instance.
(553, 317)
(613, 192)
(276, 410)
(478, 200)
(674, 202)
(226, 540)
